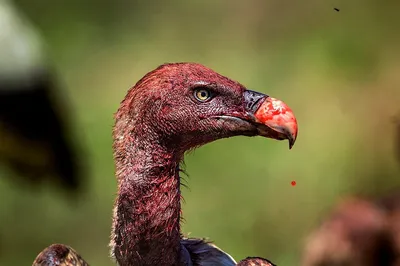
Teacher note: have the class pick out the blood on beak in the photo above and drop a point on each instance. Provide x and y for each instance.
(278, 119)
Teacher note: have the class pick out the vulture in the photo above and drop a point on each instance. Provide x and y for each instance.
(173, 109)
(255, 261)
(58, 254)
(397, 137)
(36, 142)
(358, 232)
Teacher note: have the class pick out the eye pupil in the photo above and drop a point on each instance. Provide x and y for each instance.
(202, 95)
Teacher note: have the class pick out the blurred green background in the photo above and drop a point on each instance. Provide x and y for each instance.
(339, 71)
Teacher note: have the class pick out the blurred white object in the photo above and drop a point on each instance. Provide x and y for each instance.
(35, 138)
(21, 48)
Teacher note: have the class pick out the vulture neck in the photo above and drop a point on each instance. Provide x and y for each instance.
(146, 228)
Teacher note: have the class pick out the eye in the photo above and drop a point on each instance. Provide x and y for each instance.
(202, 95)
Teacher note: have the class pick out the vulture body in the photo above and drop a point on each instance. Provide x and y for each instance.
(358, 232)
(34, 126)
(172, 109)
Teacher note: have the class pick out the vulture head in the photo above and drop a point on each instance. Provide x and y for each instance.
(185, 105)
(255, 261)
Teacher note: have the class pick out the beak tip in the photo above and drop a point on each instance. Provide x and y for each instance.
(291, 142)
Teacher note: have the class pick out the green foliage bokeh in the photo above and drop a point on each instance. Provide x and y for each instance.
(337, 70)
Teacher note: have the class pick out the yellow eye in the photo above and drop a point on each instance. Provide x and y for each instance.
(202, 95)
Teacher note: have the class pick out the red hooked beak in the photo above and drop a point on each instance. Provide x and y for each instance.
(273, 118)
